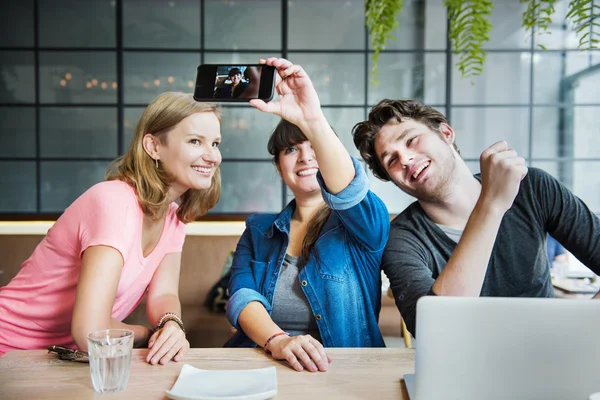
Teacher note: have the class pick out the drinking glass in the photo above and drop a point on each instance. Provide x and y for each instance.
(109, 351)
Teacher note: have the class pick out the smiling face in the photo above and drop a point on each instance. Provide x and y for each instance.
(190, 153)
(298, 168)
(235, 79)
(418, 160)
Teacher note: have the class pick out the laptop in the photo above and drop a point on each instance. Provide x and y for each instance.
(506, 348)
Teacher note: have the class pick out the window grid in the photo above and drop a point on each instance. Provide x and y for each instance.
(119, 49)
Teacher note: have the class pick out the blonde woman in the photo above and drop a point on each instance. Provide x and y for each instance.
(121, 238)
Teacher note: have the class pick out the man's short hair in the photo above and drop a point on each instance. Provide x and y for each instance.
(365, 132)
(233, 72)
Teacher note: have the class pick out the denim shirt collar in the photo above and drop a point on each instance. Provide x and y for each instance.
(282, 222)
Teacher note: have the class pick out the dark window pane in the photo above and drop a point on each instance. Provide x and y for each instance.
(78, 132)
(249, 187)
(478, 128)
(248, 24)
(18, 182)
(326, 24)
(246, 132)
(17, 132)
(64, 181)
(67, 77)
(16, 23)
(161, 24)
(75, 23)
(149, 74)
(17, 77)
(131, 116)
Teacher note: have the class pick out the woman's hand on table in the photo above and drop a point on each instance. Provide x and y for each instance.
(166, 344)
(300, 352)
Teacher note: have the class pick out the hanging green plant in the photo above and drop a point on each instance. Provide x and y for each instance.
(381, 18)
(470, 26)
(584, 15)
(469, 30)
(538, 17)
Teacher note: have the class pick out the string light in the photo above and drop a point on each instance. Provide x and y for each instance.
(63, 83)
(88, 85)
(190, 84)
(94, 82)
(114, 85)
(68, 76)
(170, 79)
(156, 82)
(103, 85)
(146, 85)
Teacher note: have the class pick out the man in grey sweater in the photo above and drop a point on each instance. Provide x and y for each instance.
(466, 235)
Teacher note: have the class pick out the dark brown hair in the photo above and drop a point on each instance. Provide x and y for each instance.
(287, 135)
(233, 72)
(365, 132)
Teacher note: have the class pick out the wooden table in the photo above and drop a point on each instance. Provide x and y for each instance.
(367, 373)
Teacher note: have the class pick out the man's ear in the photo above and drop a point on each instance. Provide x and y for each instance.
(447, 133)
(151, 145)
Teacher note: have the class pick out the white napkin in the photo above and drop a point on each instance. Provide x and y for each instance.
(202, 384)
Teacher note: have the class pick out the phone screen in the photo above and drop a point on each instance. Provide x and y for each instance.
(225, 83)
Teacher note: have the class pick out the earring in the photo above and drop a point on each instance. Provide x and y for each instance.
(156, 163)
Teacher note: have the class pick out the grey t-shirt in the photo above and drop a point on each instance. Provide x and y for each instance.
(291, 311)
(454, 234)
(418, 250)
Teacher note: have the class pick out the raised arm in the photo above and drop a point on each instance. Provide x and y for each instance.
(501, 173)
(96, 290)
(363, 213)
(300, 105)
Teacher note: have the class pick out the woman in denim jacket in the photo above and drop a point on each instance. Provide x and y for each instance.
(309, 277)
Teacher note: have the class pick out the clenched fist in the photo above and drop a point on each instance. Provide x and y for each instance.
(501, 173)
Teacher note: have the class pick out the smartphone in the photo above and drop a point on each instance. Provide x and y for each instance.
(234, 83)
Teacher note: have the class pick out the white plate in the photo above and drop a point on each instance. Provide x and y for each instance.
(202, 384)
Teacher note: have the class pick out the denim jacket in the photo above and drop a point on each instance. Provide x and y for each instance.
(342, 278)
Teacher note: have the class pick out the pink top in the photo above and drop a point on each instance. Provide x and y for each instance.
(36, 307)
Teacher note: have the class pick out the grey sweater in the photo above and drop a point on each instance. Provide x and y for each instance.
(418, 250)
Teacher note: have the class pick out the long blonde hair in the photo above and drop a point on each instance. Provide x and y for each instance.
(152, 184)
